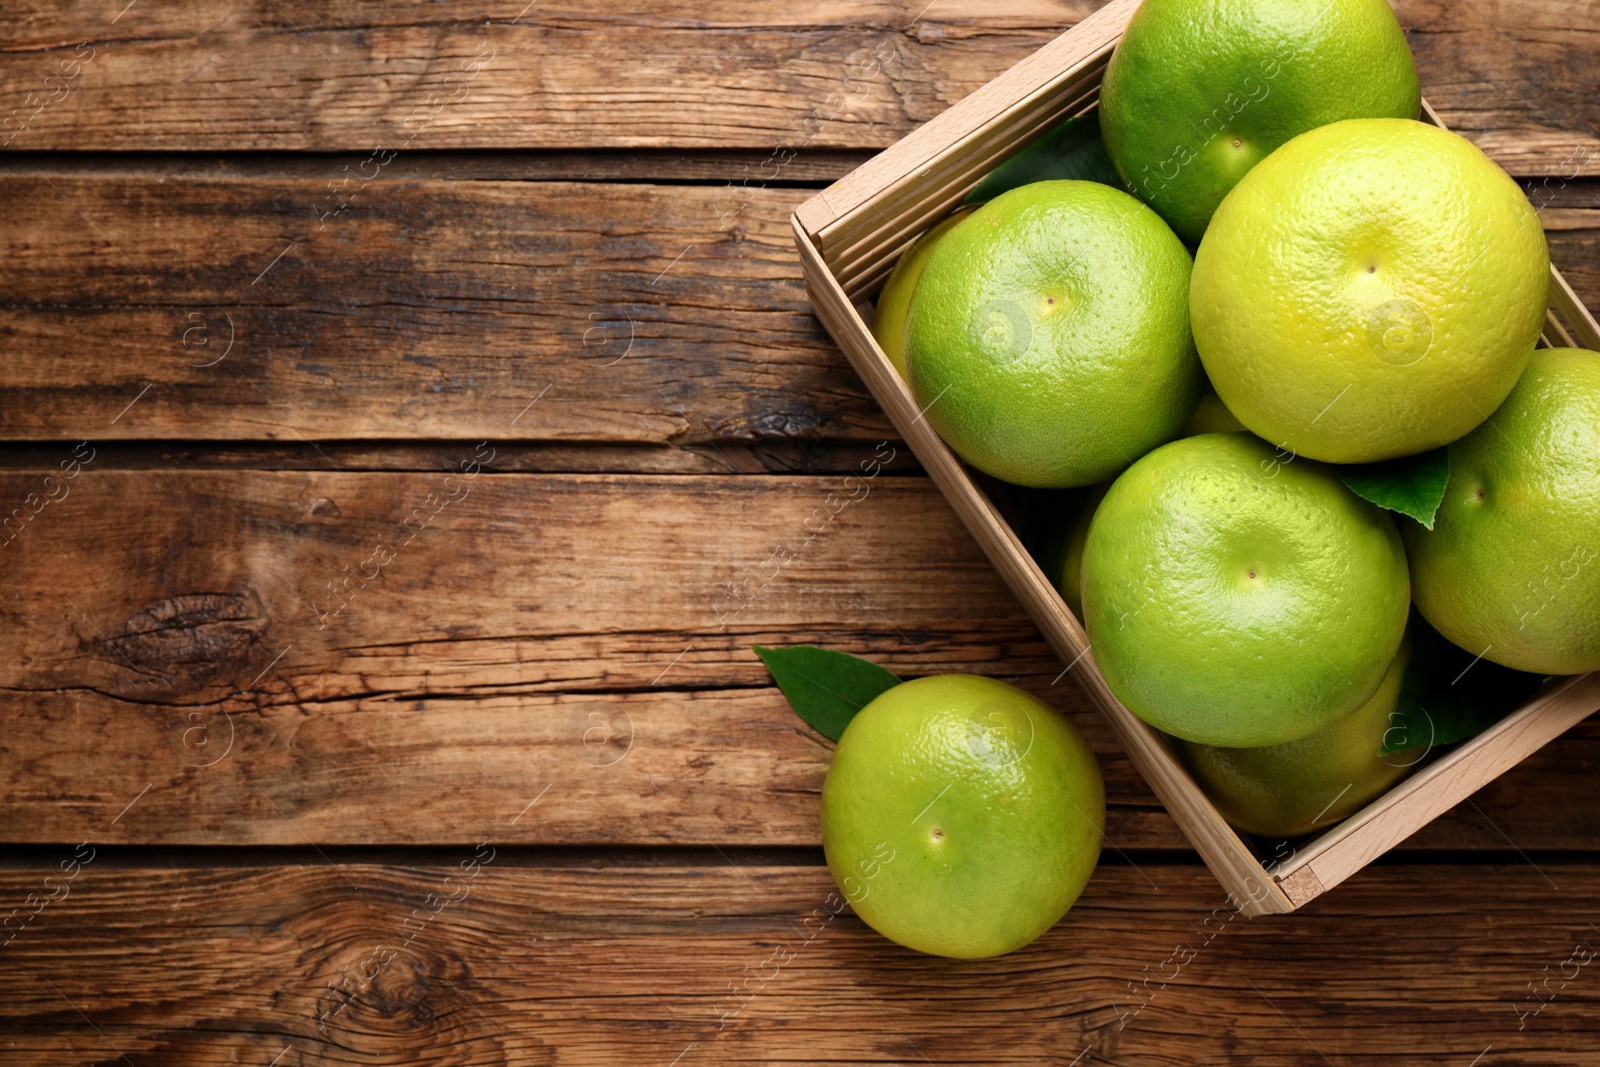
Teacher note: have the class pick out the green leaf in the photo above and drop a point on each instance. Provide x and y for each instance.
(1072, 149)
(1411, 485)
(825, 688)
(1449, 694)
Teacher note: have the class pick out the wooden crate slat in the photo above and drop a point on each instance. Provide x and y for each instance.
(1405, 809)
(862, 267)
(1578, 316)
(918, 187)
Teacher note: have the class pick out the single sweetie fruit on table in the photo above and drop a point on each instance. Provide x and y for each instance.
(961, 816)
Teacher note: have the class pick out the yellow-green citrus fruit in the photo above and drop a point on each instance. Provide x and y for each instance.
(1238, 596)
(894, 299)
(1200, 91)
(1069, 582)
(1211, 415)
(1048, 339)
(1287, 790)
(1511, 568)
(961, 816)
(1372, 289)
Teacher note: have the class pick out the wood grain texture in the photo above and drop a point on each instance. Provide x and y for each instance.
(577, 633)
(1515, 75)
(692, 769)
(481, 962)
(579, 640)
(179, 588)
(438, 309)
(769, 456)
(426, 309)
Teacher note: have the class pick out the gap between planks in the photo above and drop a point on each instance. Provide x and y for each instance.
(810, 168)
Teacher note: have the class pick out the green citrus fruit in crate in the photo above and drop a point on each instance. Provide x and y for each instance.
(1048, 339)
(1511, 568)
(1199, 91)
(1282, 791)
(1238, 596)
(1208, 417)
(894, 300)
(1371, 290)
(961, 816)
(1069, 583)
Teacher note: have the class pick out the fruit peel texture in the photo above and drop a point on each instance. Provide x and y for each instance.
(1236, 598)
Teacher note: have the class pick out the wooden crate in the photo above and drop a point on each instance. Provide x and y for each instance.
(850, 235)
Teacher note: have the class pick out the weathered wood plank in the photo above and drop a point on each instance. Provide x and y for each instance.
(488, 654)
(582, 641)
(1512, 74)
(677, 768)
(685, 768)
(483, 962)
(428, 309)
(729, 74)
(422, 310)
(179, 588)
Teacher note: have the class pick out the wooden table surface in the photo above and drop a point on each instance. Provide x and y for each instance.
(412, 415)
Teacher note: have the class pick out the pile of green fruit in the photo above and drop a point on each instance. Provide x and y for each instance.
(1281, 337)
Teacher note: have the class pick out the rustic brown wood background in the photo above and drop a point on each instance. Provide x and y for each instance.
(497, 305)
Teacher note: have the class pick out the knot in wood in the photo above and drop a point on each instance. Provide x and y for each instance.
(189, 640)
